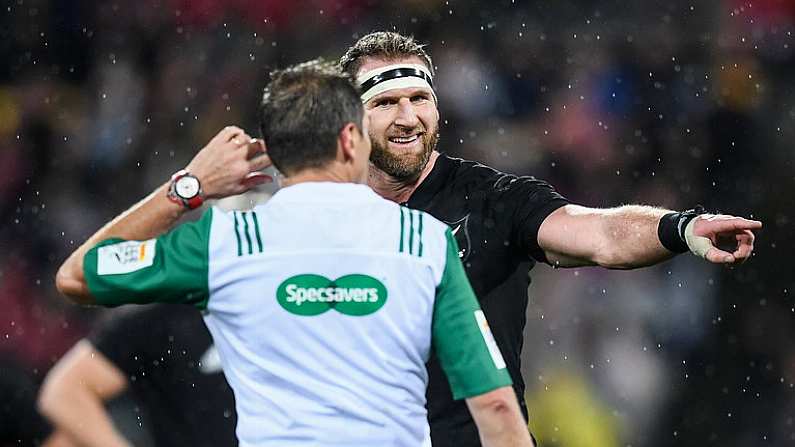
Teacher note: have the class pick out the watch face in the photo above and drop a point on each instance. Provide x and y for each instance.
(187, 187)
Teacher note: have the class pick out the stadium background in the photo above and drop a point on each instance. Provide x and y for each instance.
(658, 102)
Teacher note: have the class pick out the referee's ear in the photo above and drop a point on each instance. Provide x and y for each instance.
(347, 143)
(353, 151)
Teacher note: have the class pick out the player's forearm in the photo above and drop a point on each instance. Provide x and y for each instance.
(630, 238)
(499, 420)
(149, 218)
(74, 411)
(618, 238)
(74, 393)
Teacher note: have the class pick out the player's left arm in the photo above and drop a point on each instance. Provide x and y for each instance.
(634, 236)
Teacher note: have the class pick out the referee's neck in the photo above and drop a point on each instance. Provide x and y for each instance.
(318, 175)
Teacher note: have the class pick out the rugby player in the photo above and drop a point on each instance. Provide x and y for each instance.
(324, 303)
(165, 356)
(504, 223)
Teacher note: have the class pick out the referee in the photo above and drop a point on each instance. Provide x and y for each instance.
(326, 302)
(503, 223)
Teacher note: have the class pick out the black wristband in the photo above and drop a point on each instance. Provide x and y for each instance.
(671, 229)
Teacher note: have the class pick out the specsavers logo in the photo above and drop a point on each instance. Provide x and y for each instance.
(354, 295)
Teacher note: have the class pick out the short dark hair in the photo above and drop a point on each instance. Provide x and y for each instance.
(303, 109)
(383, 45)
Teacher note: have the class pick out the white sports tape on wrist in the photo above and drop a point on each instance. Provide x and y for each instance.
(699, 245)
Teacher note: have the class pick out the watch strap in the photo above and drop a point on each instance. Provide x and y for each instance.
(190, 203)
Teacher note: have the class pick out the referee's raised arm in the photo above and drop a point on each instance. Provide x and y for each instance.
(229, 164)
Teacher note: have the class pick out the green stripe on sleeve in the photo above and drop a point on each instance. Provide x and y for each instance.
(400, 249)
(237, 235)
(256, 231)
(420, 234)
(245, 231)
(411, 231)
(170, 269)
(465, 347)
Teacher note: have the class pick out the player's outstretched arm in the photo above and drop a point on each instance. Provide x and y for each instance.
(499, 420)
(634, 236)
(229, 164)
(74, 393)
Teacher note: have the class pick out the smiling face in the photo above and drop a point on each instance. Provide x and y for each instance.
(404, 125)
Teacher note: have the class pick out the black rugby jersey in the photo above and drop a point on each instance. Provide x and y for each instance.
(495, 218)
(168, 357)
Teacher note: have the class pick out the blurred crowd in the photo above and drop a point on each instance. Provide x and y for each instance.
(671, 103)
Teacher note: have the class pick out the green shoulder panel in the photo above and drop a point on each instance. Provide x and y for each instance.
(170, 269)
(461, 337)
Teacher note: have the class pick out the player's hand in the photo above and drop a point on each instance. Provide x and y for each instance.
(707, 232)
(230, 164)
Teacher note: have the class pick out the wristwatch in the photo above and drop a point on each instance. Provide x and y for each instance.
(186, 190)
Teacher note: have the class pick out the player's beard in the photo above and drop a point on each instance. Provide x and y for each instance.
(403, 165)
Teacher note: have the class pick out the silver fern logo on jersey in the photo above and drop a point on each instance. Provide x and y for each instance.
(460, 229)
(309, 294)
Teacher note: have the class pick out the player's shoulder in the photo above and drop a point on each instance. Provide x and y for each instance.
(476, 176)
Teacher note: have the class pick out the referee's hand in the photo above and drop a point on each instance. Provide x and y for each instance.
(734, 235)
(230, 164)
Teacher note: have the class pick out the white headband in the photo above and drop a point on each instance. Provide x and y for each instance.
(377, 81)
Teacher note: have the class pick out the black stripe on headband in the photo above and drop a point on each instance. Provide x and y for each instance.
(394, 74)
